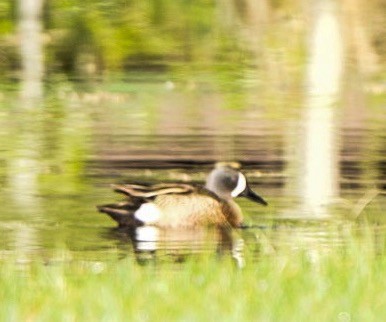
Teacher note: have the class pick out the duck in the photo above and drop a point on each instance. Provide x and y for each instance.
(184, 205)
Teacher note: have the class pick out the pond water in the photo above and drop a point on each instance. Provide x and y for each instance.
(57, 163)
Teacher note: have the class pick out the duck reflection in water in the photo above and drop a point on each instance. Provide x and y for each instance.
(181, 212)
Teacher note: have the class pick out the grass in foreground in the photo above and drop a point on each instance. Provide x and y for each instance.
(342, 285)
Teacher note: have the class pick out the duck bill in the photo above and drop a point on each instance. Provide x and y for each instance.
(251, 195)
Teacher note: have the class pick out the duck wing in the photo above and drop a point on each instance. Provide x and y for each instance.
(149, 192)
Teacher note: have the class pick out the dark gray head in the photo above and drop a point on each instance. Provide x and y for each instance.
(227, 183)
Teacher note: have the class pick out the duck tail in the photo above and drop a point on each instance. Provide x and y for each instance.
(122, 213)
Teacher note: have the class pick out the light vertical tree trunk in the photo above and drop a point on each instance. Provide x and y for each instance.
(319, 149)
(31, 48)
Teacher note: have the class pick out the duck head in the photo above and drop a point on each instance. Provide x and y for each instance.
(227, 183)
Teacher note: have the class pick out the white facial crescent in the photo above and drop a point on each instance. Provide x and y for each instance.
(240, 187)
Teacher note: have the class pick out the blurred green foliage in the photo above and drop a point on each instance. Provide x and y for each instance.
(93, 37)
(116, 34)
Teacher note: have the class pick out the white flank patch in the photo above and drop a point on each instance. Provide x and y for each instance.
(148, 213)
(241, 185)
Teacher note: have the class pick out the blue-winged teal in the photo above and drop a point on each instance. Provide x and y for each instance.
(175, 205)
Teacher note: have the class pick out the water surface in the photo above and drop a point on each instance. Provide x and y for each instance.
(56, 165)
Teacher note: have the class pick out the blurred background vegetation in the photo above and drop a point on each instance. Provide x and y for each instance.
(95, 38)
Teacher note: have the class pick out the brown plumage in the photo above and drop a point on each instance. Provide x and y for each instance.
(183, 205)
